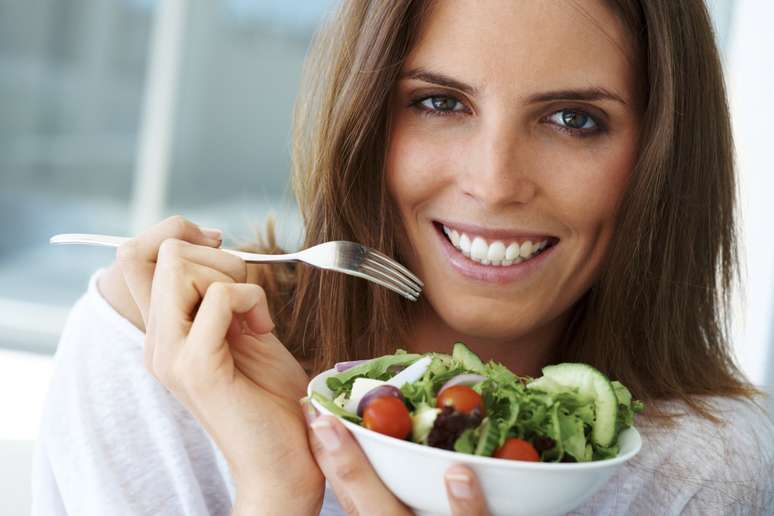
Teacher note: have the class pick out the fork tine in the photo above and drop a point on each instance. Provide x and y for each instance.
(375, 271)
(370, 277)
(395, 265)
(377, 277)
(393, 274)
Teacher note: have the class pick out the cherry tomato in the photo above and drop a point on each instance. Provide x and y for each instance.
(388, 416)
(461, 398)
(517, 449)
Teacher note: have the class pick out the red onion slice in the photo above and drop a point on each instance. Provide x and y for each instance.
(412, 373)
(343, 366)
(463, 379)
(378, 392)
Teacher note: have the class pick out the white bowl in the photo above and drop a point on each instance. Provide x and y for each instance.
(414, 473)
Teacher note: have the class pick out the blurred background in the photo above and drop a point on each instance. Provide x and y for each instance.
(117, 113)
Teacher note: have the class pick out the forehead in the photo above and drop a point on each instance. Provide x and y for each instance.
(524, 45)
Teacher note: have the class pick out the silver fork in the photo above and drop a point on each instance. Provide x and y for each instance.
(341, 256)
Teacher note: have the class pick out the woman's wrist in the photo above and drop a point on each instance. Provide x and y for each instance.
(252, 503)
(262, 494)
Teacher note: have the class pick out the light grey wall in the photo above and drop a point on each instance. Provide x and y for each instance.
(72, 79)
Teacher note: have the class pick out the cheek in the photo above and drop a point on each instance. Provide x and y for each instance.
(417, 168)
(588, 188)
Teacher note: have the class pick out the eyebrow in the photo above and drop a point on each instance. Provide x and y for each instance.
(589, 94)
(422, 74)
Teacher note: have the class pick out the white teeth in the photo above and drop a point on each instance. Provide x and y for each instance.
(512, 251)
(496, 253)
(526, 249)
(464, 244)
(455, 238)
(478, 249)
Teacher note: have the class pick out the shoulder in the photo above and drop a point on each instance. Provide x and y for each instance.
(99, 371)
(743, 431)
(732, 460)
(710, 467)
(98, 366)
(109, 429)
(694, 465)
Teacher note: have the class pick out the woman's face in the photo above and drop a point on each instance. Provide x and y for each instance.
(514, 133)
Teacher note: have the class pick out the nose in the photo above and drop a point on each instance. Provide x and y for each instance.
(497, 172)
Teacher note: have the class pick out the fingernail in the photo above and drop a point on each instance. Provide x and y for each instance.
(459, 485)
(310, 413)
(326, 434)
(212, 233)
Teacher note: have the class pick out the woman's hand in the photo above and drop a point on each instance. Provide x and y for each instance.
(126, 283)
(209, 341)
(358, 488)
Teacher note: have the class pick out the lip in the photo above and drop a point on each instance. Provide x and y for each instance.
(496, 234)
(491, 273)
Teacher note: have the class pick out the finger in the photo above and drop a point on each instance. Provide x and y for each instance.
(177, 260)
(236, 328)
(226, 263)
(216, 312)
(311, 414)
(137, 257)
(358, 488)
(178, 288)
(464, 492)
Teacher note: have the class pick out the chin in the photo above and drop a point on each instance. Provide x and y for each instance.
(488, 319)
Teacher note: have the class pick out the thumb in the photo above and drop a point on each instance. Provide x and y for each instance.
(464, 492)
(258, 319)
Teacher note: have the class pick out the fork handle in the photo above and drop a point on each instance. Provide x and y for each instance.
(115, 241)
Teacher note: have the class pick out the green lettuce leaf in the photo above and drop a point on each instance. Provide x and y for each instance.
(335, 409)
(466, 442)
(376, 369)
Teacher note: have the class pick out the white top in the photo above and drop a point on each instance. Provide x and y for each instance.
(115, 441)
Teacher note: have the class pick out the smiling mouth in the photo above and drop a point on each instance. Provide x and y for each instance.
(502, 253)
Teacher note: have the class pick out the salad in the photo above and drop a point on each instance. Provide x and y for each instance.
(573, 413)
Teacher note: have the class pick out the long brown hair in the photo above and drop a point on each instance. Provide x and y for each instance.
(656, 318)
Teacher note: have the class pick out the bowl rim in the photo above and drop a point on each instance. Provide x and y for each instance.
(630, 433)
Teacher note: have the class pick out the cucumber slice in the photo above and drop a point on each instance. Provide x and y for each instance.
(588, 383)
(547, 385)
(469, 360)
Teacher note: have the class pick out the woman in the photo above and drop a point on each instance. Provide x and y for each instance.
(593, 136)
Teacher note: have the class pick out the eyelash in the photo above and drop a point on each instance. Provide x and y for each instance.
(580, 133)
